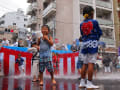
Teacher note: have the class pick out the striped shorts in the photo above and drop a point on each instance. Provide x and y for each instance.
(45, 63)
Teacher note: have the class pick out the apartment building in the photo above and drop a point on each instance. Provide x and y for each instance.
(17, 19)
(64, 17)
(35, 12)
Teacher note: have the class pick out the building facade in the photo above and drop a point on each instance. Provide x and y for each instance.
(35, 12)
(17, 19)
(64, 18)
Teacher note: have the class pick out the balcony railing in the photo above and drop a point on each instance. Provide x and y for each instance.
(29, 10)
(50, 9)
(104, 4)
(51, 24)
(32, 20)
(31, 7)
(87, 1)
(108, 41)
(105, 22)
(34, 5)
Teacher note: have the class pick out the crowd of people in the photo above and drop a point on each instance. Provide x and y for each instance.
(88, 49)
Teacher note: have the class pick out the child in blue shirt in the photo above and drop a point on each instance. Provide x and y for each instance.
(20, 62)
(91, 33)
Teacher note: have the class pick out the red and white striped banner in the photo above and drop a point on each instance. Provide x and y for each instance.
(8, 58)
(67, 64)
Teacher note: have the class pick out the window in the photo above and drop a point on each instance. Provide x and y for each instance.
(8, 30)
(14, 23)
(5, 29)
(24, 25)
(25, 19)
(18, 18)
(107, 33)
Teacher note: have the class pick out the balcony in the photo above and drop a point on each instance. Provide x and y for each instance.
(104, 4)
(34, 6)
(29, 10)
(32, 20)
(51, 24)
(87, 1)
(105, 22)
(50, 9)
(108, 41)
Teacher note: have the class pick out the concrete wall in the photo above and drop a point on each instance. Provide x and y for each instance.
(64, 21)
(117, 23)
(76, 19)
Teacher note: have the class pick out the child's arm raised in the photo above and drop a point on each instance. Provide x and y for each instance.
(50, 40)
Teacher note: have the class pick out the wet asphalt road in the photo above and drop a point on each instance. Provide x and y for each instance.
(25, 83)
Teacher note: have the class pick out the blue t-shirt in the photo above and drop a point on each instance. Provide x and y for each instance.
(20, 62)
(91, 33)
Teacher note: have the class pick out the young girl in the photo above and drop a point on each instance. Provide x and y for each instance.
(90, 32)
(45, 44)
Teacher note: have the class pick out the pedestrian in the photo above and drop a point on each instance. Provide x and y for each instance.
(74, 47)
(80, 58)
(55, 62)
(20, 61)
(5, 42)
(95, 69)
(64, 47)
(20, 43)
(29, 40)
(90, 32)
(35, 61)
(45, 42)
(106, 63)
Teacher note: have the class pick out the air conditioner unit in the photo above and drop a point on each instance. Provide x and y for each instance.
(118, 9)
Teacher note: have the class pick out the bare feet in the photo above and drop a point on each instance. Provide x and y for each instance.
(38, 79)
(41, 83)
(53, 81)
(34, 80)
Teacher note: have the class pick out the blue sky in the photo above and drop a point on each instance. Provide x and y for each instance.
(12, 5)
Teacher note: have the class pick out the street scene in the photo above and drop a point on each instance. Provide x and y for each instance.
(60, 45)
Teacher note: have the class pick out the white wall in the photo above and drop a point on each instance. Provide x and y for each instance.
(14, 17)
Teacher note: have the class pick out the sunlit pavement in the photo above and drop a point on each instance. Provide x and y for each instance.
(25, 83)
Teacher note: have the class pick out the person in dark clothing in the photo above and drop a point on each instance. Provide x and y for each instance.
(20, 43)
(106, 63)
(74, 47)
